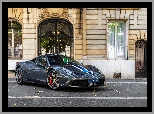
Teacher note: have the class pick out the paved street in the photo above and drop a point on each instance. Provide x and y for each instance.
(115, 93)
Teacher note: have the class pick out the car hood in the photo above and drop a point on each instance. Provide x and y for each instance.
(76, 71)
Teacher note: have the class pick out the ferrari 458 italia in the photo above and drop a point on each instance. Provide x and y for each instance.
(58, 71)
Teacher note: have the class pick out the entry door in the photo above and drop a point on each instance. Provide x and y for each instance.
(55, 36)
(141, 59)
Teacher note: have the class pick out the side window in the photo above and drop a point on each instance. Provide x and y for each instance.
(116, 39)
(51, 60)
(37, 60)
(34, 60)
(43, 61)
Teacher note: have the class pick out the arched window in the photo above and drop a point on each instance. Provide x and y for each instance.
(14, 39)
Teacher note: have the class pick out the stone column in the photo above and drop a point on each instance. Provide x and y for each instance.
(29, 33)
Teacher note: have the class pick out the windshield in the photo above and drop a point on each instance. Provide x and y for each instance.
(68, 60)
(62, 60)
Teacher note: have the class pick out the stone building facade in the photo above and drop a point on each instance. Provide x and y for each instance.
(95, 34)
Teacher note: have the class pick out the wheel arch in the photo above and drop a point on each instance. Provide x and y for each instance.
(50, 70)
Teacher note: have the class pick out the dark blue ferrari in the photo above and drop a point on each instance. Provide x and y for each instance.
(58, 71)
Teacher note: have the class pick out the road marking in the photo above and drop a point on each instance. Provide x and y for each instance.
(105, 82)
(78, 97)
(128, 82)
(11, 81)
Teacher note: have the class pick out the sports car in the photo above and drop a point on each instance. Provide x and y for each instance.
(58, 71)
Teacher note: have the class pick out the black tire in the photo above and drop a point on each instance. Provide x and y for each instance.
(53, 80)
(19, 76)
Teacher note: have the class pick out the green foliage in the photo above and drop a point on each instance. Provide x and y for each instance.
(46, 43)
(111, 28)
(14, 25)
(17, 36)
(17, 27)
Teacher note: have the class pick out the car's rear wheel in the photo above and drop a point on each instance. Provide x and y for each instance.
(19, 76)
(53, 81)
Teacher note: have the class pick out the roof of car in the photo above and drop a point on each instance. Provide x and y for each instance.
(52, 55)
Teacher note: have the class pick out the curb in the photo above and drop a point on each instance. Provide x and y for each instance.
(11, 74)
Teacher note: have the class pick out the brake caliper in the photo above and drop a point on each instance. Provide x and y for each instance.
(51, 80)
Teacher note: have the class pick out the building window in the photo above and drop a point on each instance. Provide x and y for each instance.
(14, 40)
(116, 40)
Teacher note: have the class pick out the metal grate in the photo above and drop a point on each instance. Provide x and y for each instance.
(60, 33)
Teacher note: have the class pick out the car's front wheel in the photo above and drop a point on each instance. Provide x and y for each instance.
(19, 76)
(53, 81)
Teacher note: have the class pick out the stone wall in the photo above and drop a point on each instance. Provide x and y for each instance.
(90, 34)
(94, 43)
(90, 28)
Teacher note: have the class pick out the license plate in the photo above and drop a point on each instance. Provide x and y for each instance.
(93, 80)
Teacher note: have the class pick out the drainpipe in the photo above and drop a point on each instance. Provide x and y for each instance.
(12, 43)
(80, 20)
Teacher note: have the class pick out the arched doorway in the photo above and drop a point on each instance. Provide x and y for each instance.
(55, 36)
(141, 59)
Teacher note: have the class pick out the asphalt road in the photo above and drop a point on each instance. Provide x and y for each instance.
(115, 93)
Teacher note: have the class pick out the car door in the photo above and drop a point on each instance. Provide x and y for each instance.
(35, 70)
(29, 70)
(43, 69)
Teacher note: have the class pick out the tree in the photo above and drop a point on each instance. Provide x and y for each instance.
(46, 43)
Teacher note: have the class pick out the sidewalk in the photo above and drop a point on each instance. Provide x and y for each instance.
(11, 74)
(126, 80)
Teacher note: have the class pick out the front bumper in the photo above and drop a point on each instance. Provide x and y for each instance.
(86, 82)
